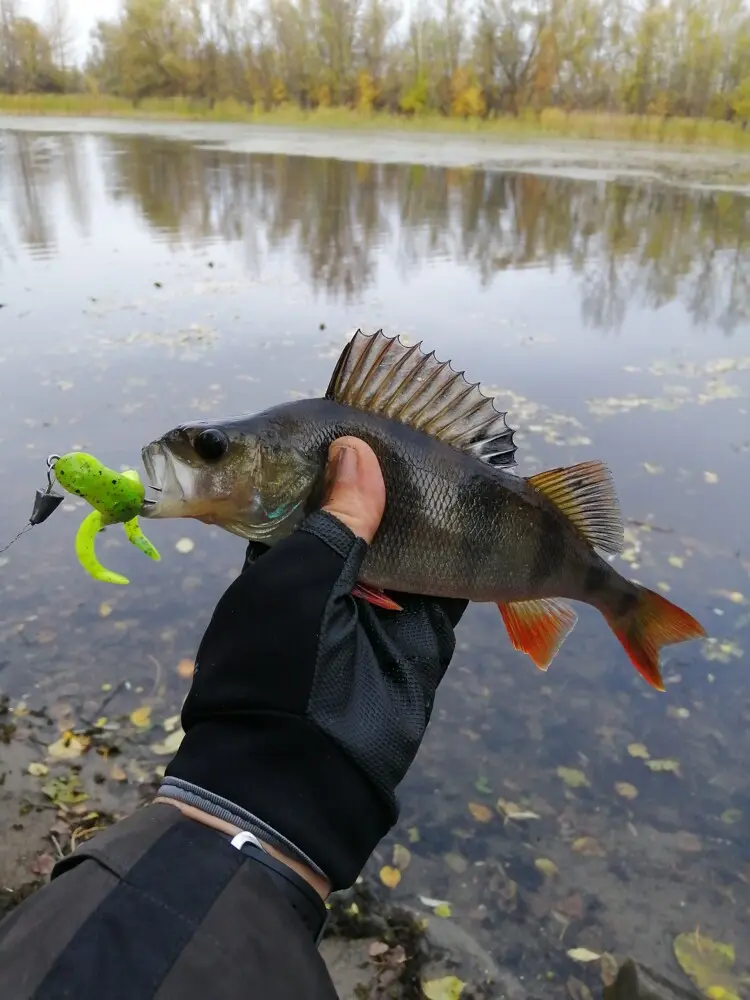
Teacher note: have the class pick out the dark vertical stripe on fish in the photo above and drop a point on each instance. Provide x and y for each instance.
(596, 580)
(550, 549)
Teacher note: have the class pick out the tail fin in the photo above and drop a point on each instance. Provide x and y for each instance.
(654, 622)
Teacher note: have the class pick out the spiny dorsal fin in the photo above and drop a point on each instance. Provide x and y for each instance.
(585, 493)
(381, 375)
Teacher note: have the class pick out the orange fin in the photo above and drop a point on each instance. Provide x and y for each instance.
(539, 627)
(376, 597)
(654, 622)
(585, 493)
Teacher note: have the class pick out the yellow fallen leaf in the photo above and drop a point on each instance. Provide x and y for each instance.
(141, 717)
(708, 963)
(170, 744)
(401, 856)
(511, 811)
(184, 545)
(638, 750)
(413, 834)
(68, 747)
(677, 561)
(710, 477)
(442, 910)
(653, 469)
(547, 867)
(609, 968)
(118, 773)
(573, 777)
(105, 609)
(731, 816)
(625, 789)
(448, 988)
(583, 955)
(589, 847)
(663, 586)
(38, 770)
(668, 764)
(482, 814)
(390, 876)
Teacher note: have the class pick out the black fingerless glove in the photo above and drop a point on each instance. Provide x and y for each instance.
(308, 706)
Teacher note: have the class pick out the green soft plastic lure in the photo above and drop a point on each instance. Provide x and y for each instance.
(117, 498)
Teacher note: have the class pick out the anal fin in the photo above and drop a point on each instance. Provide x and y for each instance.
(376, 597)
(538, 628)
(585, 494)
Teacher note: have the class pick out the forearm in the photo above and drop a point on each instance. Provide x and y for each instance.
(159, 906)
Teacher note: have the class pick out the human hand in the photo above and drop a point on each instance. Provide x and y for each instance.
(308, 706)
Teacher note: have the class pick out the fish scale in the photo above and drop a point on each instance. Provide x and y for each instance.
(457, 522)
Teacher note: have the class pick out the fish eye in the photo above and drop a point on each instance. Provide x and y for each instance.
(211, 444)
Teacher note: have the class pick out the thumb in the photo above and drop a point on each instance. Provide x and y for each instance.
(356, 491)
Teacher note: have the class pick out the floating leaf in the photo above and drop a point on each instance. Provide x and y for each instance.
(448, 988)
(431, 903)
(480, 813)
(708, 963)
(589, 847)
(511, 811)
(731, 816)
(378, 948)
(653, 469)
(390, 876)
(677, 712)
(413, 834)
(627, 790)
(443, 910)
(547, 867)
(638, 750)
(170, 744)
(171, 723)
(710, 477)
(68, 747)
(677, 561)
(401, 856)
(482, 786)
(38, 770)
(105, 609)
(184, 545)
(583, 955)
(141, 717)
(186, 668)
(668, 764)
(118, 773)
(573, 777)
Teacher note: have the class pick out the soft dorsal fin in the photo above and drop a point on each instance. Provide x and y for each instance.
(585, 493)
(379, 374)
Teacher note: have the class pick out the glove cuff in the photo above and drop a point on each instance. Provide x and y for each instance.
(290, 775)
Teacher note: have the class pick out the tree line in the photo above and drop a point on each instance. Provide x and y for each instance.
(465, 58)
(627, 246)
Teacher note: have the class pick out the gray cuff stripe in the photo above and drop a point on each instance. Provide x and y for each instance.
(215, 805)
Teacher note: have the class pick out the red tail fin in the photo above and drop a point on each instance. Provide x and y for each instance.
(653, 623)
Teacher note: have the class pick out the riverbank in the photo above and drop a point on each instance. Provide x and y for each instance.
(549, 123)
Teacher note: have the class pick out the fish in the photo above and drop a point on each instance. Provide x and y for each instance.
(458, 521)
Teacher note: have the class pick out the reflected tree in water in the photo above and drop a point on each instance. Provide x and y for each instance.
(627, 243)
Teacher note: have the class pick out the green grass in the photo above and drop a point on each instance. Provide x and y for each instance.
(550, 123)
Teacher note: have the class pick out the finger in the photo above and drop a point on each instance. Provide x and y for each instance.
(356, 494)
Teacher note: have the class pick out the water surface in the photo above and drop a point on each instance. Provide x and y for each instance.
(147, 280)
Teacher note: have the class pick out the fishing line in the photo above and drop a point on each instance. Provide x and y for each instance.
(46, 502)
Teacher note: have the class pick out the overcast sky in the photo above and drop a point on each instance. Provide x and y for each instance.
(83, 15)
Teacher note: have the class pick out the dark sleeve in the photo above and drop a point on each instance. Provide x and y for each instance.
(160, 907)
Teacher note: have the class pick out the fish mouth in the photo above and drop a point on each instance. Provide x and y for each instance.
(169, 479)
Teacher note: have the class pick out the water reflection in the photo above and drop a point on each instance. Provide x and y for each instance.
(629, 245)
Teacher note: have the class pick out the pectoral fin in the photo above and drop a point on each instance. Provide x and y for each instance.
(376, 597)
